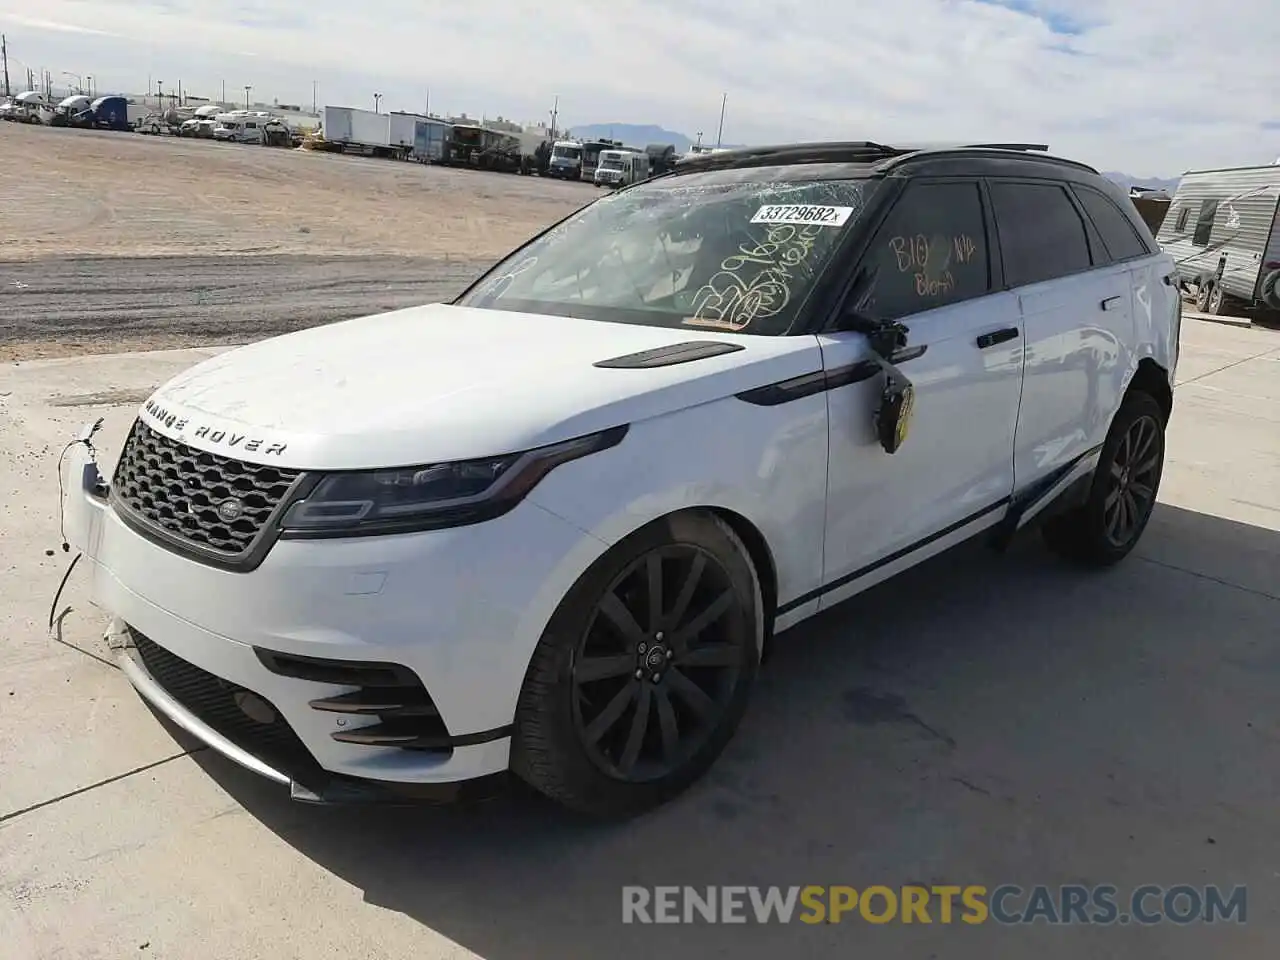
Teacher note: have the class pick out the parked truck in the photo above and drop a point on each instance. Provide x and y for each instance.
(1223, 232)
(369, 133)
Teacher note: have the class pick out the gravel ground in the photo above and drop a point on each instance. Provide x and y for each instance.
(121, 242)
(86, 305)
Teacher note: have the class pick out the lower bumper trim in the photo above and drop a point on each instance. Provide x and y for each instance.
(328, 788)
(155, 695)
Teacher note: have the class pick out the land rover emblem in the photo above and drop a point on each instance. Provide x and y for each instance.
(230, 510)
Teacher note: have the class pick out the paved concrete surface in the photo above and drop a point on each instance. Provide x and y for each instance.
(981, 720)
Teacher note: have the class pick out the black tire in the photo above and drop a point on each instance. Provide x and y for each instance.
(1123, 485)
(1270, 292)
(571, 742)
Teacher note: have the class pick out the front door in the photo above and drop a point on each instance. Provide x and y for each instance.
(953, 476)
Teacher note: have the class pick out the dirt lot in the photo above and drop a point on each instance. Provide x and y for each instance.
(121, 242)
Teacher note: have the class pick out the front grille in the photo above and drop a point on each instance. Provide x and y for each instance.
(177, 489)
(213, 701)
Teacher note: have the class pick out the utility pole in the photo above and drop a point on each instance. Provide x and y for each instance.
(720, 132)
(223, 101)
(4, 55)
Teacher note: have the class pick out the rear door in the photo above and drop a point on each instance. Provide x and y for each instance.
(932, 269)
(1077, 313)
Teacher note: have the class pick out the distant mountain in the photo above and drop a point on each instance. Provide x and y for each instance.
(632, 134)
(639, 135)
(1148, 183)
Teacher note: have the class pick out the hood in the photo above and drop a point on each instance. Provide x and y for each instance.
(440, 383)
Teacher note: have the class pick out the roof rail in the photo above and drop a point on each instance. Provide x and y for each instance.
(932, 153)
(852, 151)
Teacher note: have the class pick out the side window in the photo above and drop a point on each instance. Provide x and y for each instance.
(930, 252)
(1181, 225)
(1118, 235)
(1041, 235)
(1204, 222)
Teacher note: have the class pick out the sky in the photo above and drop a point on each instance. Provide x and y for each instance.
(1153, 89)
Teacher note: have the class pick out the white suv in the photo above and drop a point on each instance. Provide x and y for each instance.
(550, 527)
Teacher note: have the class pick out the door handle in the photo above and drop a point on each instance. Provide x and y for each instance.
(998, 337)
(1111, 303)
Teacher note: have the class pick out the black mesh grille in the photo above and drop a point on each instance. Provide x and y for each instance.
(177, 489)
(213, 701)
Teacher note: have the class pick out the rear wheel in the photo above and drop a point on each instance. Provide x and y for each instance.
(1203, 291)
(1217, 297)
(644, 671)
(1109, 524)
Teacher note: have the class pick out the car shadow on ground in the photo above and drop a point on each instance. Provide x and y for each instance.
(983, 718)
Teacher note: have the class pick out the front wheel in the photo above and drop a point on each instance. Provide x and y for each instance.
(1103, 530)
(644, 670)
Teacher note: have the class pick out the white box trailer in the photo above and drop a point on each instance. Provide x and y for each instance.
(335, 122)
(370, 129)
(403, 127)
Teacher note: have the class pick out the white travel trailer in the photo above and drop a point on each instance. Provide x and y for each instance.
(1223, 232)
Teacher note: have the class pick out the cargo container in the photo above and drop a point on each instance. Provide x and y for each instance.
(430, 140)
(403, 128)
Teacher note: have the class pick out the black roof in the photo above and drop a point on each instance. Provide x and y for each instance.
(873, 157)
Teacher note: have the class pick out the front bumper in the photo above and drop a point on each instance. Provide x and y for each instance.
(459, 610)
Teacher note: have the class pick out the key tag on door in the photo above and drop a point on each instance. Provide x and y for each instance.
(897, 403)
(897, 395)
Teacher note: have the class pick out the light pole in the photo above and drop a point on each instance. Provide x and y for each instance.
(79, 81)
(160, 93)
(89, 80)
(377, 98)
(720, 132)
(247, 88)
(313, 96)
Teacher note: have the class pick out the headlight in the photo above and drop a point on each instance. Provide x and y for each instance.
(432, 496)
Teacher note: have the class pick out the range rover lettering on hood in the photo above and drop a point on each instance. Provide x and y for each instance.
(216, 436)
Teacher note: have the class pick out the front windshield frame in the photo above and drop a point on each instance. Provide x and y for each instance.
(773, 303)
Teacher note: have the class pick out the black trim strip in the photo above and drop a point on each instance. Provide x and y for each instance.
(669, 356)
(890, 558)
(375, 736)
(1033, 494)
(908, 353)
(806, 385)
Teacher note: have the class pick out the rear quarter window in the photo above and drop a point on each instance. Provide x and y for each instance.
(1119, 237)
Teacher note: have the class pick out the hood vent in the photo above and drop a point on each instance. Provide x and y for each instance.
(670, 356)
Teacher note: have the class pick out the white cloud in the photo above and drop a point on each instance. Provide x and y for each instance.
(1153, 88)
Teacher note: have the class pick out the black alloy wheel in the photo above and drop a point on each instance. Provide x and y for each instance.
(1133, 476)
(643, 672)
(657, 666)
(1121, 498)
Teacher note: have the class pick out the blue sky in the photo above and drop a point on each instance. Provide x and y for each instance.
(1149, 88)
